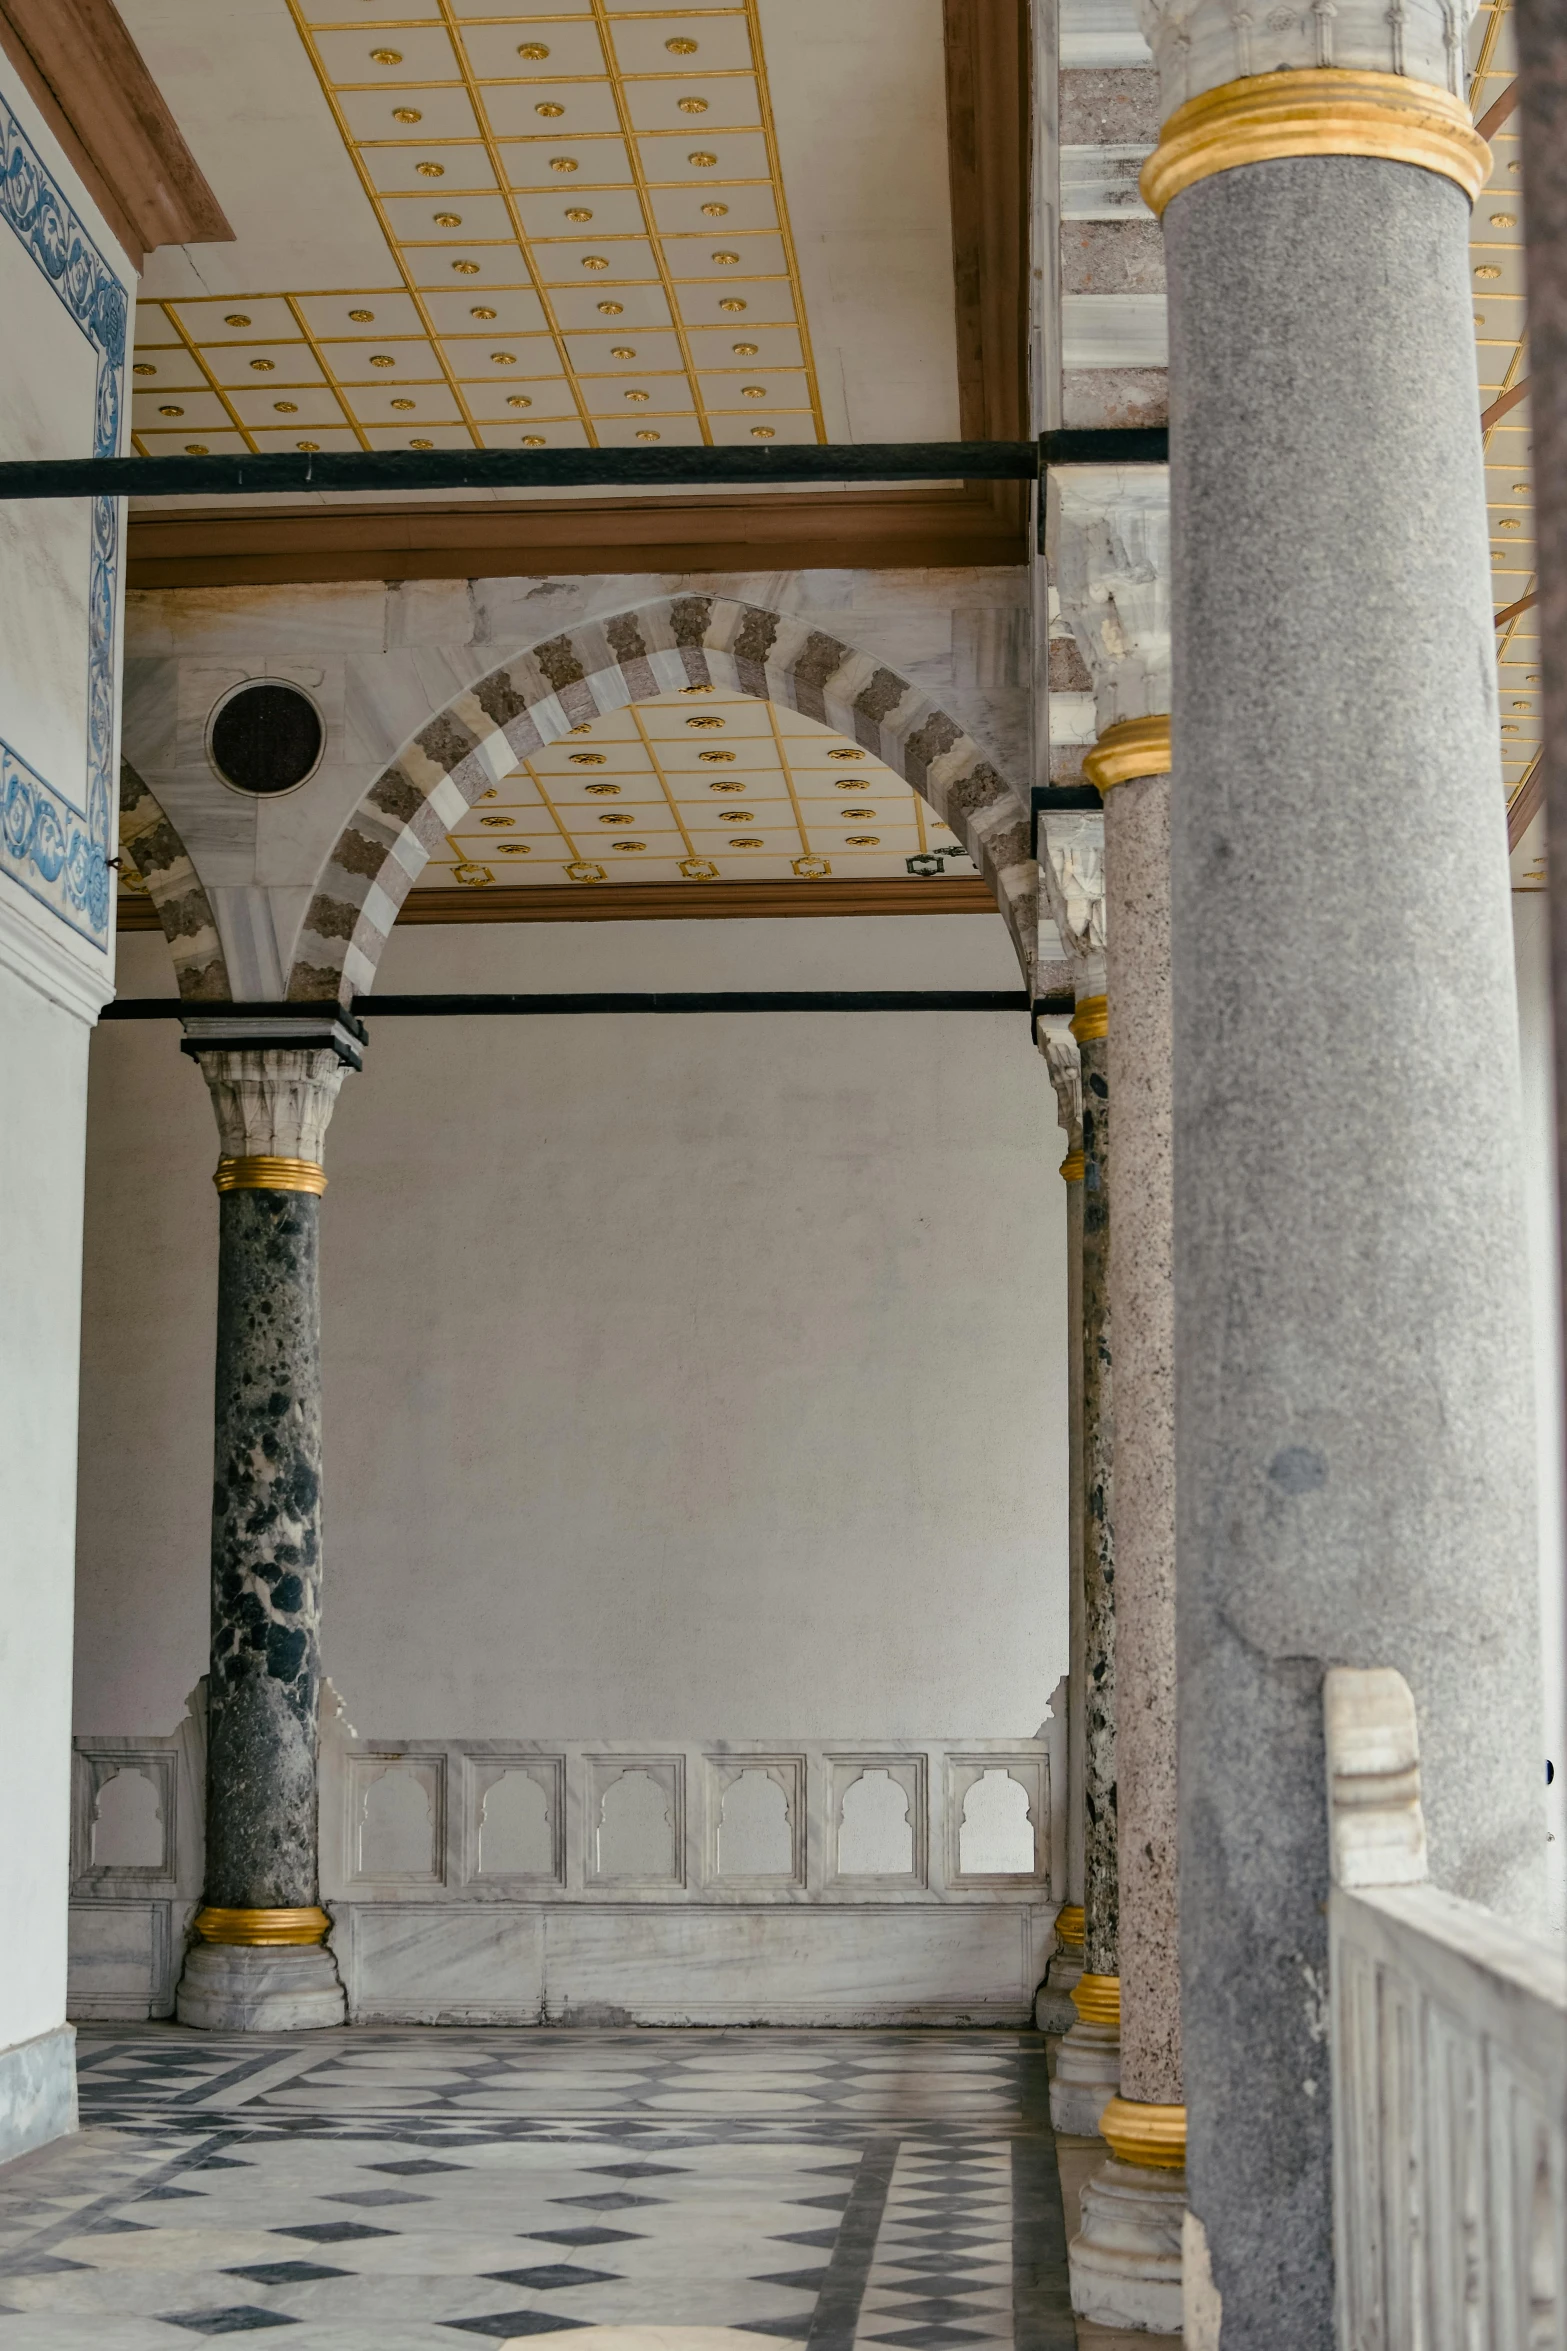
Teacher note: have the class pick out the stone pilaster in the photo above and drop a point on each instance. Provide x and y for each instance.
(1354, 1430)
(257, 1961)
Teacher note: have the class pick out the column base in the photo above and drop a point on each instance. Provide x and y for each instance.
(1125, 2261)
(256, 1988)
(1087, 2077)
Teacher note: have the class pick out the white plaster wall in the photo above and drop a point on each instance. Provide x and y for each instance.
(1532, 948)
(684, 1376)
(52, 982)
(43, 1082)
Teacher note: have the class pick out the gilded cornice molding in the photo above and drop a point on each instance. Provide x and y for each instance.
(1108, 545)
(1200, 44)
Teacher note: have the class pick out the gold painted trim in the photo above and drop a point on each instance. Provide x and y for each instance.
(1073, 1168)
(1153, 2136)
(1091, 1020)
(1071, 1918)
(1097, 1999)
(1323, 111)
(266, 1174)
(1132, 747)
(262, 1926)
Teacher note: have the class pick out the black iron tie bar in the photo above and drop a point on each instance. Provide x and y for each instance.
(577, 469)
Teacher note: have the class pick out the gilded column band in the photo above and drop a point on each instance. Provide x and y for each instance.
(1332, 111)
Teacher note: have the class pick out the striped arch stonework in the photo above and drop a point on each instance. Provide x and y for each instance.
(183, 908)
(538, 696)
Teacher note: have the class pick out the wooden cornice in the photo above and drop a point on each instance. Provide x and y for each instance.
(988, 67)
(671, 901)
(912, 527)
(88, 79)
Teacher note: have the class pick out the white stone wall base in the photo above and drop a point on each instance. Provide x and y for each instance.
(1087, 2077)
(1125, 2262)
(37, 2091)
(245, 1988)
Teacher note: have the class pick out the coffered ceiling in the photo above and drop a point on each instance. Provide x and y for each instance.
(565, 224)
(697, 786)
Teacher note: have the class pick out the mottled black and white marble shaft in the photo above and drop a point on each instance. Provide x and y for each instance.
(272, 1106)
(1100, 1881)
(266, 1554)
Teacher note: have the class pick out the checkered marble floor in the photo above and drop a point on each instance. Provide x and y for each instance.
(412, 2190)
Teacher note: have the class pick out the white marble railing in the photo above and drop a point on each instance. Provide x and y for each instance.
(1449, 2044)
(700, 1881)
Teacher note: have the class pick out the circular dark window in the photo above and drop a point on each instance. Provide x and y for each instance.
(266, 738)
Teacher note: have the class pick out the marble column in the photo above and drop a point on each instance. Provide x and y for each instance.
(257, 1961)
(1052, 2010)
(1354, 1427)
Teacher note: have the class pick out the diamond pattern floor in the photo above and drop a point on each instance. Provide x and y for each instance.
(411, 2190)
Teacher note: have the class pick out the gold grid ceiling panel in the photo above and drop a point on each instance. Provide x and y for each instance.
(696, 786)
(1496, 259)
(588, 247)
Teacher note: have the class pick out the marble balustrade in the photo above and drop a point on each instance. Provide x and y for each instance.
(708, 1881)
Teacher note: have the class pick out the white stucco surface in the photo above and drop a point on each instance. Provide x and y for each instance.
(683, 1375)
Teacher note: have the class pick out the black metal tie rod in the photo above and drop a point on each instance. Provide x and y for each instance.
(280, 1017)
(576, 469)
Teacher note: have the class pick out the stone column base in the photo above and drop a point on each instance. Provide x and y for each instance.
(257, 1988)
(1125, 2262)
(1087, 2077)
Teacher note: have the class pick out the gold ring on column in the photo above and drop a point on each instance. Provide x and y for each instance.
(1097, 1999)
(262, 1926)
(1073, 1168)
(1132, 747)
(1071, 1923)
(266, 1174)
(1326, 110)
(1091, 1020)
(1154, 2136)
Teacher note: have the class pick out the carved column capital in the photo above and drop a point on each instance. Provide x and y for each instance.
(1108, 545)
(1072, 871)
(1201, 44)
(273, 1102)
(1064, 1063)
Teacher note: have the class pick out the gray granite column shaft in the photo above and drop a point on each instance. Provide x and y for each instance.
(1142, 1314)
(1354, 1428)
(1100, 1878)
(266, 1554)
(1542, 49)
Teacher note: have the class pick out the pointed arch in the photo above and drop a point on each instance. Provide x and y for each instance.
(154, 847)
(656, 648)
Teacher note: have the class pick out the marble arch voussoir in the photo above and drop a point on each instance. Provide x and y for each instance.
(538, 694)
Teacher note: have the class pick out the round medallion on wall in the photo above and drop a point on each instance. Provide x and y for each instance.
(265, 737)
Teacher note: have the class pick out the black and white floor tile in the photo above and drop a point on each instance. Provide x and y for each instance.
(644, 2191)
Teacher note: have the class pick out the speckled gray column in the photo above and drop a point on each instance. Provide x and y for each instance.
(1354, 1426)
(257, 1963)
(1142, 1311)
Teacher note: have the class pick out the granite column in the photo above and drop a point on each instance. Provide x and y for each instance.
(1354, 1428)
(257, 1961)
(1126, 2260)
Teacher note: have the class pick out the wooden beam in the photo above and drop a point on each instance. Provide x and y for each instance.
(1503, 402)
(784, 530)
(671, 901)
(988, 74)
(88, 78)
